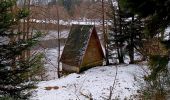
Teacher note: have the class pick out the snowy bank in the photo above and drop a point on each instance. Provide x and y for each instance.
(94, 83)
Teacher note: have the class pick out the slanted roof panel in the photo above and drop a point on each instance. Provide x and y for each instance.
(76, 44)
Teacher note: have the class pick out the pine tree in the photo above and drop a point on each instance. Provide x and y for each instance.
(126, 32)
(116, 38)
(69, 5)
(155, 12)
(156, 16)
(17, 67)
(155, 19)
(133, 34)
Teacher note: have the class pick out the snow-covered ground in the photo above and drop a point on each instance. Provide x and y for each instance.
(94, 83)
(70, 22)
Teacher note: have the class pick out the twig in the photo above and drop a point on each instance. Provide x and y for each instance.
(87, 96)
(75, 92)
(112, 87)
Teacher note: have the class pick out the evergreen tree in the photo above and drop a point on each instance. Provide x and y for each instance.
(133, 34)
(16, 66)
(156, 16)
(156, 13)
(69, 5)
(156, 19)
(126, 32)
(116, 38)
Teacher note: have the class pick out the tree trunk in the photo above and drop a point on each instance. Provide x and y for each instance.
(105, 36)
(58, 25)
(131, 46)
(121, 60)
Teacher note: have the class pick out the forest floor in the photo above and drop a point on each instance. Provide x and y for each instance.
(96, 83)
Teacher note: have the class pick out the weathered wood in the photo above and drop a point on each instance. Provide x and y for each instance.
(82, 50)
(93, 56)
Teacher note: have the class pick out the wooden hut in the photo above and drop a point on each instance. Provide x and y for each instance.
(82, 49)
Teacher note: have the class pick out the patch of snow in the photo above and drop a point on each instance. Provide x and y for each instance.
(167, 32)
(95, 83)
(70, 22)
